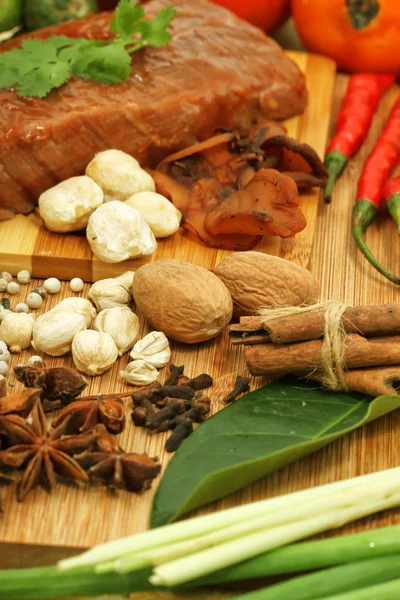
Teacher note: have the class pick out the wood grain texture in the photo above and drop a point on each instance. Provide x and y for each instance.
(25, 244)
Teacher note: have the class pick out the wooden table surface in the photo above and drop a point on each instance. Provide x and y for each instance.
(344, 275)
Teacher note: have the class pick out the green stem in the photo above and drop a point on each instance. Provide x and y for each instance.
(385, 591)
(331, 582)
(306, 556)
(335, 162)
(364, 213)
(393, 205)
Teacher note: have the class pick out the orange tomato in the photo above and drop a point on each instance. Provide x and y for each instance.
(266, 14)
(360, 35)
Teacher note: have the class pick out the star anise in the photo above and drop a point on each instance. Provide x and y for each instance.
(83, 415)
(19, 404)
(43, 453)
(57, 383)
(111, 465)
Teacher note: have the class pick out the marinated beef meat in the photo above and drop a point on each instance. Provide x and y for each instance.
(218, 71)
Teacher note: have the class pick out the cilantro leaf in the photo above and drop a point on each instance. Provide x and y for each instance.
(106, 64)
(41, 80)
(127, 19)
(155, 31)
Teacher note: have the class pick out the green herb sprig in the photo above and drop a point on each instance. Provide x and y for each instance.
(39, 66)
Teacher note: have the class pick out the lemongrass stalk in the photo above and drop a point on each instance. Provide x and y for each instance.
(306, 556)
(328, 582)
(384, 591)
(315, 507)
(199, 526)
(211, 560)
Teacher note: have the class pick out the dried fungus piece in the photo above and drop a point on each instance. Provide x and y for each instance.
(57, 383)
(116, 468)
(83, 415)
(43, 454)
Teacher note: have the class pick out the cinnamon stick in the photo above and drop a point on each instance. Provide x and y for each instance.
(379, 381)
(305, 357)
(374, 320)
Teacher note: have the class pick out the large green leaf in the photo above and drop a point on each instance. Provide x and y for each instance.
(264, 431)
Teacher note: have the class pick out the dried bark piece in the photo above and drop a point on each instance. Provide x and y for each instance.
(43, 454)
(112, 466)
(83, 415)
(57, 383)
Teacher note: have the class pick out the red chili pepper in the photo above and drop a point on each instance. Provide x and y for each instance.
(384, 157)
(355, 116)
(391, 197)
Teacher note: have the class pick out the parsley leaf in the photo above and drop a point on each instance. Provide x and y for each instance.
(39, 66)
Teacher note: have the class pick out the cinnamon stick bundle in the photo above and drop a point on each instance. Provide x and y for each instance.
(380, 381)
(305, 357)
(375, 320)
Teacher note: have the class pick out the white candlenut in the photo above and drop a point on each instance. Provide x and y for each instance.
(52, 285)
(121, 323)
(23, 276)
(153, 348)
(113, 291)
(68, 205)
(159, 213)
(117, 232)
(54, 331)
(93, 352)
(119, 175)
(81, 306)
(139, 372)
(16, 331)
(76, 284)
(4, 353)
(34, 300)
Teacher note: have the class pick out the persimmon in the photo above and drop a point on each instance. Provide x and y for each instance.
(360, 35)
(266, 14)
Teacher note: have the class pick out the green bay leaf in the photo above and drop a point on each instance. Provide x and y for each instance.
(264, 431)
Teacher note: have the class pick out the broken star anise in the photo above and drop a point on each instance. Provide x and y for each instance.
(109, 464)
(83, 415)
(20, 403)
(43, 453)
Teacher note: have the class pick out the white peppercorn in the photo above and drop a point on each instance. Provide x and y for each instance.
(36, 361)
(3, 285)
(4, 352)
(21, 307)
(13, 288)
(3, 368)
(6, 275)
(39, 289)
(76, 284)
(52, 285)
(3, 313)
(23, 276)
(33, 300)
(5, 303)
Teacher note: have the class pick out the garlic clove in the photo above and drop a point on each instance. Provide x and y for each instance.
(119, 175)
(117, 232)
(121, 323)
(93, 352)
(153, 348)
(139, 372)
(16, 331)
(114, 291)
(160, 214)
(81, 306)
(54, 331)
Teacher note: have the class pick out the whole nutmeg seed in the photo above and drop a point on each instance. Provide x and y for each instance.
(93, 352)
(186, 302)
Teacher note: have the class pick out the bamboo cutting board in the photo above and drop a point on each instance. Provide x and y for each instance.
(82, 516)
(25, 244)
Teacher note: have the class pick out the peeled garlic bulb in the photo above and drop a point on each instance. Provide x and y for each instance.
(153, 348)
(159, 213)
(81, 306)
(16, 331)
(117, 232)
(93, 352)
(121, 323)
(54, 331)
(139, 372)
(115, 291)
(119, 175)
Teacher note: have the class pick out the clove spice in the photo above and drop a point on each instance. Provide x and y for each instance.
(241, 387)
